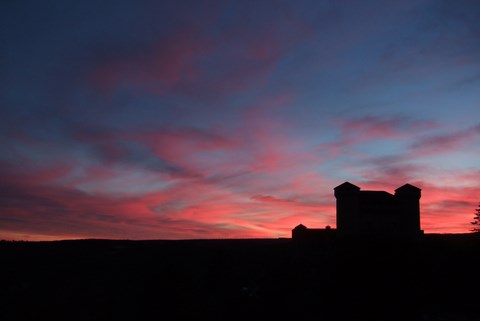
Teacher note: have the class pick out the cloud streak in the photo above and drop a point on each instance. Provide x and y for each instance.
(444, 143)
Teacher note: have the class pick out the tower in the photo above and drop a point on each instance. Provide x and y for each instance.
(348, 219)
(408, 206)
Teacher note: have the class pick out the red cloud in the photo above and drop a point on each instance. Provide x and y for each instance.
(192, 183)
(447, 208)
(444, 208)
(271, 199)
(171, 62)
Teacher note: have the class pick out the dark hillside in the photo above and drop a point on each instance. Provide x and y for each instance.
(240, 280)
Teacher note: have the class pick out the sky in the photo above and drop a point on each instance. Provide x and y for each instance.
(232, 119)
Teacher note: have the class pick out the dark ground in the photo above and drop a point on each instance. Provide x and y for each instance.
(433, 279)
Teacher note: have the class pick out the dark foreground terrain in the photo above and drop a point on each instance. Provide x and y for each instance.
(433, 279)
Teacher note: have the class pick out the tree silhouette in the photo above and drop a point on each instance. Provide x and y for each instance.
(476, 220)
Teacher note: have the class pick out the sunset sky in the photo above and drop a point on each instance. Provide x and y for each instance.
(232, 119)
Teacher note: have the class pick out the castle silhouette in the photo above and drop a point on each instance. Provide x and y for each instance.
(371, 214)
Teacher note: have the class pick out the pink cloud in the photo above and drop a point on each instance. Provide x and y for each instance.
(369, 128)
(447, 208)
(445, 143)
(119, 193)
(193, 62)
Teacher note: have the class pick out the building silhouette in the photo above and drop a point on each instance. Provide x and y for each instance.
(371, 213)
(311, 234)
